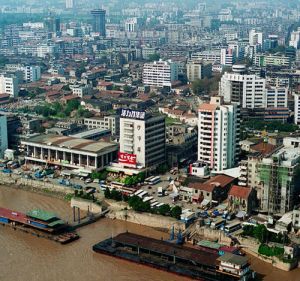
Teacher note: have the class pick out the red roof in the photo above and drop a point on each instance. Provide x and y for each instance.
(263, 147)
(217, 181)
(13, 215)
(240, 191)
(221, 180)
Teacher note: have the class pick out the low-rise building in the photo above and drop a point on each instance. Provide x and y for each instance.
(242, 198)
(111, 122)
(69, 152)
(214, 190)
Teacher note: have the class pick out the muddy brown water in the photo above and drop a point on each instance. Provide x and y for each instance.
(27, 258)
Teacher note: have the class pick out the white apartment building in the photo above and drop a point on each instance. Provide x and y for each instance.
(218, 134)
(228, 57)
(9, 85)
(276, 97)
(246, 89)
(297, 108)
(111, 123)
(70, 4)
(3, 135)
(32, 73)
(255, 38)
(197, 69)
(160, 73)
(44, 50)
(132, 24)
(295, 39)
(210, 56)
(143, 135)
(81, 90)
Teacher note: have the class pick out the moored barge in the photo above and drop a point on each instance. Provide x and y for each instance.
(39, 223)
(182, 260)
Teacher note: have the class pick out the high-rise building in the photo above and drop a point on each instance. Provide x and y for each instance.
(9, 84)
(297, 108)
(70, 4)
(276, 97)
(144, 136)
(228, 56)
(160, 73)
(98, 22)
(255, 38)
(197, 69)
(218, 134)
(32, 73)
(295, 39)
(3, 135)
(279, 175)
(246, 89)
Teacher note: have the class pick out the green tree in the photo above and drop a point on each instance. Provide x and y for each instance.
(176, 212)
(107, 193)
(201, 87)
(261, 233)
(164, 210)
(154, 57)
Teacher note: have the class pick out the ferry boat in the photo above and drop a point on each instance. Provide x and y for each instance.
(40, 223)
(181, 260)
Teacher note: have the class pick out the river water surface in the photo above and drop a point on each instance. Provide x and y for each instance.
(27, 258)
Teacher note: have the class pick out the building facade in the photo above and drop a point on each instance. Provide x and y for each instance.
(218, 134)
(9, 85)
(143, 135)
(160, 73)
(70, 152)
(3, 135)
(197, 69)
(99, 23)
(111, 123)
(246, 89)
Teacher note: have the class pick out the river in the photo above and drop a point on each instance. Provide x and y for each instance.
(24, 257)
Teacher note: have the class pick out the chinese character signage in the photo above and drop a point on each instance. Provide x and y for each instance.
(126, 158)
(134, 114)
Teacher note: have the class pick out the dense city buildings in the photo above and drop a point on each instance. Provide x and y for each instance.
(185, 113)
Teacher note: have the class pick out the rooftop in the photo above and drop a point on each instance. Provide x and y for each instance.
(233, 259)
(41, 215)
(240, 191)
(72, 143)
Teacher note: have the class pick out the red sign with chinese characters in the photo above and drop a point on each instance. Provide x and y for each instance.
(126, 158)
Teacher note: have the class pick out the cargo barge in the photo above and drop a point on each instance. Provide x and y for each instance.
(181, 260)
(39, 223)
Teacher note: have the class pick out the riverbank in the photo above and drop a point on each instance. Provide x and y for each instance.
(35, 186)
(66, 261)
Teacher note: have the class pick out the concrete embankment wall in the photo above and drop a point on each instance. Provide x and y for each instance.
(17, 181)
(86, 205)
(151, 220)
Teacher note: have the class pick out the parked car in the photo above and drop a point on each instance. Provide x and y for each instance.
(88, 180)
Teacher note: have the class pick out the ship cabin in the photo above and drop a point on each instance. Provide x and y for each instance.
(45, 220)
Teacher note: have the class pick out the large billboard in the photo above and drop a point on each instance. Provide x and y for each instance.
(126, 158)
(133, 114)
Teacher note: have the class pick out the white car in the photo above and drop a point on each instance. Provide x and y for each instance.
(88, 181)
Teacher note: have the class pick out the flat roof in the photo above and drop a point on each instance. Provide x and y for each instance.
(164, 247)
(233, 259)
(72, 143)
(41, 215)
(92, 132)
